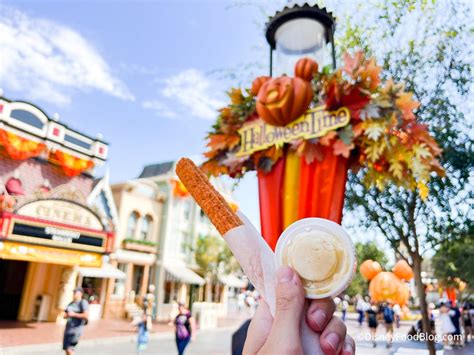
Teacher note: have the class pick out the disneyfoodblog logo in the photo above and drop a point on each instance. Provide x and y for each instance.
(409, 337)
(258, 135)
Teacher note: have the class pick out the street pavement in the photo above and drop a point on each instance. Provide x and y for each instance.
(218, 341)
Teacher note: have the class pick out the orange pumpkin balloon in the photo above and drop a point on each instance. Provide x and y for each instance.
(257, 84)
(282, 100)
(384, 287)
(403, 294)
(403, 270)
(369, 269)
(305, 68)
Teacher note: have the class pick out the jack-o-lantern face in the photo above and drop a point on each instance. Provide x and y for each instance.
(384, 287)
(282, 100)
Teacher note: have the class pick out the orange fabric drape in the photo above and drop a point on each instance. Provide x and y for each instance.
(451, 293)
(294, 189)
(20, 148)
(72, 166)
(179, 190)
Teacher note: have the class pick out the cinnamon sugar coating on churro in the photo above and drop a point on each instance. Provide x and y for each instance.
(207, 197)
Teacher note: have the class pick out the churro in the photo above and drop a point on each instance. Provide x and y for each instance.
(207, 197)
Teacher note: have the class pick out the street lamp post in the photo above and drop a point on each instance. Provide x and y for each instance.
(300, 31)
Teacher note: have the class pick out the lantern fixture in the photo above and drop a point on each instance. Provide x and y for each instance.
(300, 31)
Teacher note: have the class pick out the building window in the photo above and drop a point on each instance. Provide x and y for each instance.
(146, 228)
(137, 278)
(202, 217)
(132, 225)
(119, 284)
(186, 210)
(92, 289)
(77, 141)
(185, 243)
(27, 117)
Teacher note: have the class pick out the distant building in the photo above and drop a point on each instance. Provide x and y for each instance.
(140, 206)
(57, 223)
(182, 223)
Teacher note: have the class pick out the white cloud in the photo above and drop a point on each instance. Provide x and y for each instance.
(161, 109)
(48, 61)
(191, 92)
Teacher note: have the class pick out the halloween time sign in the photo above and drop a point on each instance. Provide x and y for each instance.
(258, 135)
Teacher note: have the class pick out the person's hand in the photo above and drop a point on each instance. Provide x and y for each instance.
(282, 334)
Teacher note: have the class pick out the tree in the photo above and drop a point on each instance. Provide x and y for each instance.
(214, 257)
(455, 260)
(427, 45)
(364, 251)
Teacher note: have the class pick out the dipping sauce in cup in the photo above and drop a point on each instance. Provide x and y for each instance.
(321, 253)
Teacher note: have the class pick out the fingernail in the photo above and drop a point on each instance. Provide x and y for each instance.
(333, 340)
(348, 349)
(285, 274)
(320, 318)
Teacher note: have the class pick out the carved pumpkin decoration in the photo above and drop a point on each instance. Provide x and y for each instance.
(282, 100)
(305, 69)
(257, 84)
(384, 287)
(403, 294)
(403, 270)
(369, 269)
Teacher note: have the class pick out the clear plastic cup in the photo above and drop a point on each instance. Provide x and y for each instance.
(322, 254)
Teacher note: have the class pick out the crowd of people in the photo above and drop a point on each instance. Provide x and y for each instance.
(456, 323)
(247, 301)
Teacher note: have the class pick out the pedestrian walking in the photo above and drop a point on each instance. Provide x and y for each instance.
(397, 310)
(141, 323)
(467, 315)
(372, 323)
(455, 315)
(148, 306)
(344, 307)
(185, 328)
(77, 315)
(360, 308)
(388, 317)
(447, 326)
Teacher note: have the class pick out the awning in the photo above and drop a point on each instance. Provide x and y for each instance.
(134, 257)
(107, 271)
(232, 281)
(184, 274)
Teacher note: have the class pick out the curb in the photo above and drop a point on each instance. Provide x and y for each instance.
(86, 343)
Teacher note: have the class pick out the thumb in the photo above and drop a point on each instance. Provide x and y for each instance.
(289, 309)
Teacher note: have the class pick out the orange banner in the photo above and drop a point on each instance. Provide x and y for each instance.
(19, 148)
(72, 165)
(41, 254)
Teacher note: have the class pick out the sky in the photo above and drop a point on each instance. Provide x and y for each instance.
(147, 75)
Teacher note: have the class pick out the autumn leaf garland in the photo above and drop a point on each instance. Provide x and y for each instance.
(383, 135)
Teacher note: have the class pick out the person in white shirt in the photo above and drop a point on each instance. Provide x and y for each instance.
(360, 308)
(447, 326)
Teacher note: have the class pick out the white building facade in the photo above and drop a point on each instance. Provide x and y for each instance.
(183, 222)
